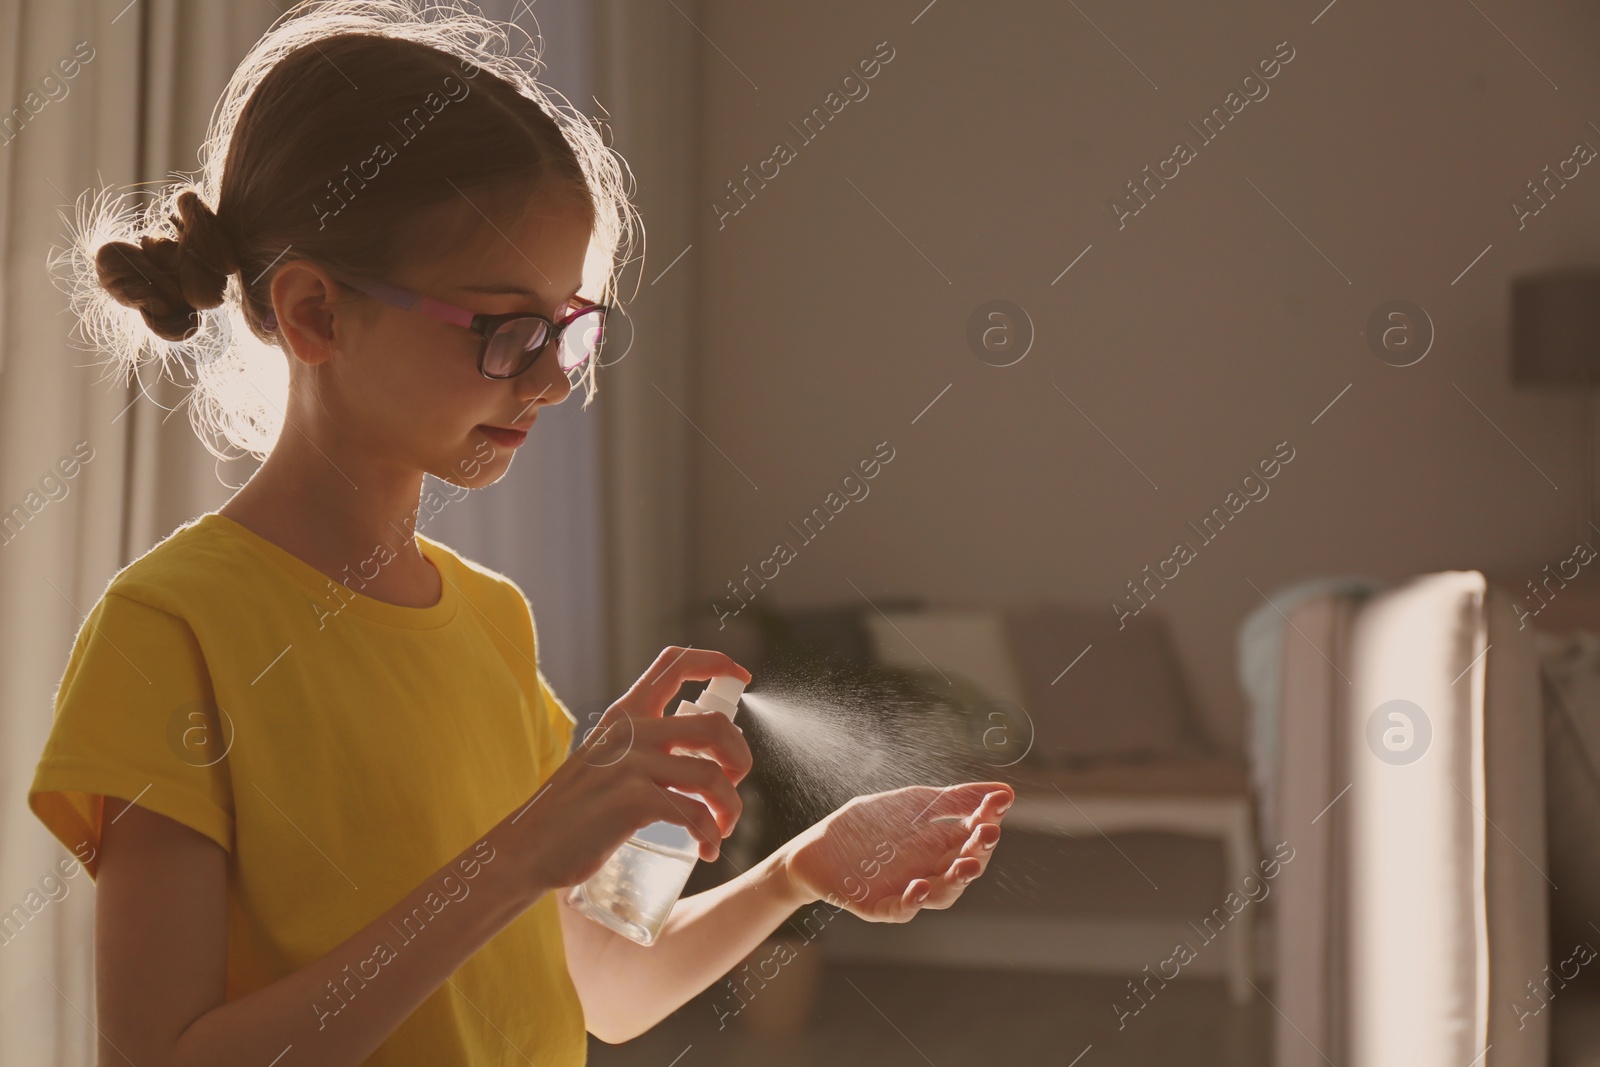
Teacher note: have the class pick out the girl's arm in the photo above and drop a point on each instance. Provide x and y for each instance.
(883, 857)
(626, 988)
(161, 954)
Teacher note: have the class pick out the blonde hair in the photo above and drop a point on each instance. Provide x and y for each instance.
(186, 286)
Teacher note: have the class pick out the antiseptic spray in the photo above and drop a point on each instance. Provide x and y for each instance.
(636, 889)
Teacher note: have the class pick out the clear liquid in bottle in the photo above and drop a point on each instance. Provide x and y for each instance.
(634, 892)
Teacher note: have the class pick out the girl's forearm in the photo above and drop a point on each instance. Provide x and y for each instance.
(703, 939)
(336, 1010)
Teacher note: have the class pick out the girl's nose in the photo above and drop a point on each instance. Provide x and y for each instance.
(544, 382)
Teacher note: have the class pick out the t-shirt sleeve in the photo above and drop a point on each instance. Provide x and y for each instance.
(556, 721)
(134, 719)
(560, 723)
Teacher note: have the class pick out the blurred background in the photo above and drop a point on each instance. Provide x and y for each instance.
(1227, 372)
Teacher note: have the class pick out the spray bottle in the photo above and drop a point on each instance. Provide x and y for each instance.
(636, 889)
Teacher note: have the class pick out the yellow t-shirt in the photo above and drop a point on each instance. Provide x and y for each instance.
(342, 749)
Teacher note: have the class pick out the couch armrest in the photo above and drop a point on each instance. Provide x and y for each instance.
(1423, 767)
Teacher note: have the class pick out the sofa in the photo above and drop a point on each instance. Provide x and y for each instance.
(1095, 727)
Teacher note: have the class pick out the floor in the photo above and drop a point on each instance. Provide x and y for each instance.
(892, 1015)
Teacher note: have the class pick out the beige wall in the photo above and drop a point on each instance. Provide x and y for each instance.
(1197, 338)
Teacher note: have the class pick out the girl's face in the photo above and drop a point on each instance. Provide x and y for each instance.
(403, 389)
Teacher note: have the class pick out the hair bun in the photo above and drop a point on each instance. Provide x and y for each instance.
(170, 280)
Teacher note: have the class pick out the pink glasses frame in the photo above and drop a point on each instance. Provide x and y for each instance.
(483, 325)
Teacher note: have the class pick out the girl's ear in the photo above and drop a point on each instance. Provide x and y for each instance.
(305, 301)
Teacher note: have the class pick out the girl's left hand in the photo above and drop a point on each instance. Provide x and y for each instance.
(886, 856)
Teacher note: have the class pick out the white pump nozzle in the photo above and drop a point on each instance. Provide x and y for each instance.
(722, 694)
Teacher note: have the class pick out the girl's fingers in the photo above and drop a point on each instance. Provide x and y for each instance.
(948, 886)
(981, 847)
(715, 736)
(952, 800)
(704, 778)
(933, 894)
(970, 836)
(982, 839)
(693, 816)
(674, 666)
(981, 843)
(967, 867)
(917, 891)
(994, 804)
(899, 908)
(964, 870)
(970, 803)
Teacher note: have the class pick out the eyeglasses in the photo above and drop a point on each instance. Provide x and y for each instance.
(508, 343)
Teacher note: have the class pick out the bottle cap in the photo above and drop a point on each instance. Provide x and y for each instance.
(722, 694)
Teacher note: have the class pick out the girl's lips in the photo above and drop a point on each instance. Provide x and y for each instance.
(505, 438)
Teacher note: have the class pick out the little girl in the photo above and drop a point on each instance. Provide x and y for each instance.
(307, 753)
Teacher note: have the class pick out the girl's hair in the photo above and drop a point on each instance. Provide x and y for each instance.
(358, 134)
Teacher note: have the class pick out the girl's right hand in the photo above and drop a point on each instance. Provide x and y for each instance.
(617, 781)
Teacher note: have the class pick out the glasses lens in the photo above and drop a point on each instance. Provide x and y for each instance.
(580, 340)
(514, 346)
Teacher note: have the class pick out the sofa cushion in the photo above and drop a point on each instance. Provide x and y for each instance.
(1125, 699)
(967, 641)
